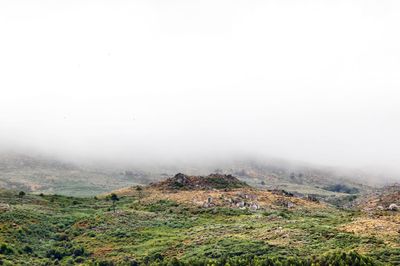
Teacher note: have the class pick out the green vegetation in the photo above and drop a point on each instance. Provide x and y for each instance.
(342, 188)
(336, 258)
(60, 230)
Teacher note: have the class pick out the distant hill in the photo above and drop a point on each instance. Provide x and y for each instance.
(37, 173)
(277, 174)
(42, 174)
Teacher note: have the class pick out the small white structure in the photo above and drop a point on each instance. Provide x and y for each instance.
(393, 207)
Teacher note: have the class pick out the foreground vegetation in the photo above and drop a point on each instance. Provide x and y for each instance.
(59, 230)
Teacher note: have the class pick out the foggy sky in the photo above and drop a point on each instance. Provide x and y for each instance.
(315, 81)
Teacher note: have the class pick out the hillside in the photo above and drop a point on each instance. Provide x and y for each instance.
(291, 176)
(217, 190)
(296, 177)
(386, 198)
(48, 175)
(44, 175)
(158, 225)
(380, 214)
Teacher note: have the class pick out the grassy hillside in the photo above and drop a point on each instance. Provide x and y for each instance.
(157, 227)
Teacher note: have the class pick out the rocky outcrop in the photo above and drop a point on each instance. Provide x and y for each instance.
(214, 181)
(386, 198)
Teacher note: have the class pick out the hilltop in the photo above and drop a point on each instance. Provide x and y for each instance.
(213, 181)
(216, 190)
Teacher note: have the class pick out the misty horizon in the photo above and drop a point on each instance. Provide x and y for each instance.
(159, 83)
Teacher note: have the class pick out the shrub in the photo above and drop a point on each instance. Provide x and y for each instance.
(78, 251)
(342, 189)
(105, 263)
(79, 259)
(338, 259)
(27, 249)
(5, 249)
(61, 237)
(55, 254)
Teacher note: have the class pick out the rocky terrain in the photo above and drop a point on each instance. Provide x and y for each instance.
(386, 198)
(216, 190)
(213, 181)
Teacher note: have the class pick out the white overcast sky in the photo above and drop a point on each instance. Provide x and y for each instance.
(316, 81)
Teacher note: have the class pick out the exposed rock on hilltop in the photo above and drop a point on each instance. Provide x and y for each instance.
(236, 198)
(213, 181)
(217, 190)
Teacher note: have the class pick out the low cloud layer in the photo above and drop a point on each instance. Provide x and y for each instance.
(187, 80)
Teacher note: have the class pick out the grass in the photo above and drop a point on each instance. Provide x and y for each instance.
(51, 229)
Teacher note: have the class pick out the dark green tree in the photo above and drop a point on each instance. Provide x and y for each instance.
(21, 194)
(114, 198)
(139, 190)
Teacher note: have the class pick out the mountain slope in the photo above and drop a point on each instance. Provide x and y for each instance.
(41, 174)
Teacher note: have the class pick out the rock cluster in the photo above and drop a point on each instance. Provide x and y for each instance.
(214, 181)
